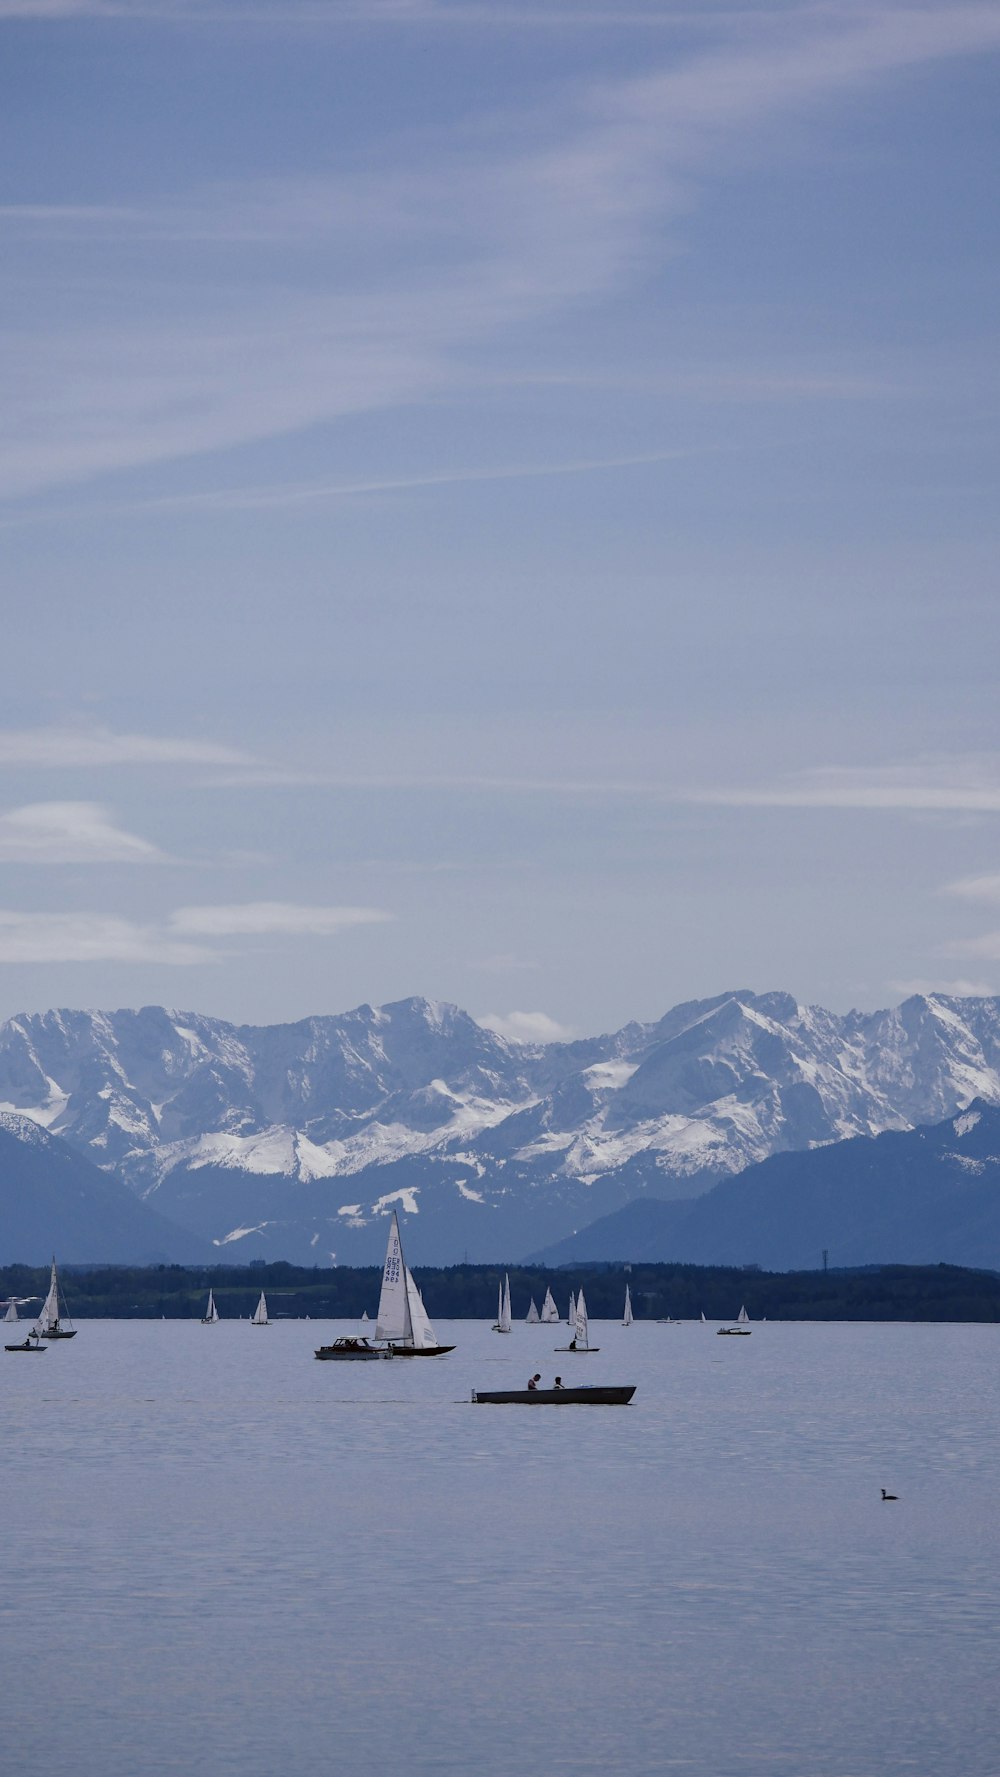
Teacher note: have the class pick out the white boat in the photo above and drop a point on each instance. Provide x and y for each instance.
(53, 1321)
(402, 1318)
(742, 1325)
(502, 1322)
(211, 1314)
(581, 1330)
(11, 1313)
(532, 1317)
(550, 1313)
(259, 1316)
(628, 1317)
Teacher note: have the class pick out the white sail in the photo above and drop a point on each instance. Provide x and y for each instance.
(571, 1312)
(211, 1313)
(627, 1317)
(550, 1313)
(365, 1315)
(259, 1318)
(703, 1314)
(49, 1316)
(532, 1317)
(423, 1335)
(582, 1329)
(11, 1313)
(503, 1307)
(394, 1319)
(743, 1318)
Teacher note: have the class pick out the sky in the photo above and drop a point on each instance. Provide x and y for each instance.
(498, 501)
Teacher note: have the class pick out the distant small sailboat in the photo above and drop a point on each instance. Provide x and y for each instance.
(365, 1316)
(54, 1322)
(581, 1330)
(703, 1316)
(211, 1314)
(742, 1325)
(11, 1313)
(628, 1317)
(532, 1317)
(502, 1322)
(402, 1318)
(550, 1313)
(259, 1316)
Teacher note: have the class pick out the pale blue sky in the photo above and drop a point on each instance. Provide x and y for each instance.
(498, 502)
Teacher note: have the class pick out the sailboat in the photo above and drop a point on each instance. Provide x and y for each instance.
(502, 1322)
(581, 1330)
(365, 1316)
(742, 1325)
(259, 1316)
(571, 1311)
(402, 1317)
(211, 1314)
(532, 1317)
(550, 1313)
(11, 1313)
(628, 1317)
(53, 1322)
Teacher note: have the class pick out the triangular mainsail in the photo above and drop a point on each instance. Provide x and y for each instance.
(211, 1313)
(532, 1317)
(260, 1312)
(423, 1334)
(581, 1333)
(502, 1322)
(366, 1315)
(11, 1313)
(53, 1323)
(627, 1317)
(571, 1311)
(550, 1312)
(394, 1321)
(743, 1318)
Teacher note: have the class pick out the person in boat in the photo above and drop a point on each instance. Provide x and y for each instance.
(534, 1380)
(558, 1383)
(572, 1345)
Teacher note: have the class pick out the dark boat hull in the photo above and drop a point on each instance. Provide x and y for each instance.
(60, 1335)
(556, 1397)
(421, 1350)
(576, 1350)
(24, 1347)
(353, 1351)
(734, 1332)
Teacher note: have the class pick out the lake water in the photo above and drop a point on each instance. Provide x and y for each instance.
(222, 1556)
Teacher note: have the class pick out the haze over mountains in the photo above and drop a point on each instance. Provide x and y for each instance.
(295, 1140)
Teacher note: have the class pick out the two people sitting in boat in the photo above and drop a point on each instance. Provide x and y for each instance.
(534, 1380)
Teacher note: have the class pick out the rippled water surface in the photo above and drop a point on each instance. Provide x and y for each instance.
(221, 1555)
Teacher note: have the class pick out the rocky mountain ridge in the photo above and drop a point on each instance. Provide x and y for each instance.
(294, 1140)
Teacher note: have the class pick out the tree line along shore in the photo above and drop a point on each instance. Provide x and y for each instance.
(469, 1292)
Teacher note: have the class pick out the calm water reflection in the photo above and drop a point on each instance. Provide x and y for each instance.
(221, 1554)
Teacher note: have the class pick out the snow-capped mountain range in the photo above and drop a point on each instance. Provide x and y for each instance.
(295, 1140)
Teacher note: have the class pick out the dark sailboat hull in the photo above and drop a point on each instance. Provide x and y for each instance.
(421, 1350)
(556, 1397)
(24, 1347)
(59, 1334)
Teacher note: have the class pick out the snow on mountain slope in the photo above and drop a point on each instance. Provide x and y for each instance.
(300, 1134)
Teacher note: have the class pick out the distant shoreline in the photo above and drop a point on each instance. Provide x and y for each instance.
(914, 1293)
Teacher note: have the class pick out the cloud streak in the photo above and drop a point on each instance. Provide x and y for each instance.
(504, 239)
(87, 937)
(84, 748)
(70, 833)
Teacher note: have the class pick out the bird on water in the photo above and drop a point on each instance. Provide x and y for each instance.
(886, 1495)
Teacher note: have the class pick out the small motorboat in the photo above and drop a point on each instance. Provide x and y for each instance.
(556, 1397)
(349, 1350)
(30, 1344)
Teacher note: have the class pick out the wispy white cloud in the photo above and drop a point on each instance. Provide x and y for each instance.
(527, 1027)
(265, 918)
(64, 747)
(70, 833)
(90, 938)
(986, 947)
(974, 888)
(87, 937)
(960, 989)
(507, 236)
(946, 784)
